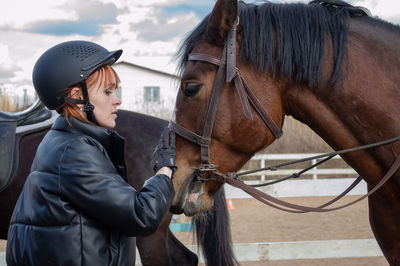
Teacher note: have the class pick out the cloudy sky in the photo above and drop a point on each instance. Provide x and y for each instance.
(148, 30)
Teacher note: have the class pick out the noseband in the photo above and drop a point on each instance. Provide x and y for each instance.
(226, 68)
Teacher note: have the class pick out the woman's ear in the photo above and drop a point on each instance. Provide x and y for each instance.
(76, 93)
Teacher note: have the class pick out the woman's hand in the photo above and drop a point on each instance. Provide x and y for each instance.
(165, 153)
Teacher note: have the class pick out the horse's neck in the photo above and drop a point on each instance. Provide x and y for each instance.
(308, 107)
(377, 38)
(351, 116)
(364, 107)
(373, 50)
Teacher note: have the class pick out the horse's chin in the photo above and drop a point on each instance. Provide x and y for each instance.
(197, 203)
(193, 198)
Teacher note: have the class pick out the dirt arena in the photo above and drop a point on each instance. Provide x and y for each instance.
(252, 221)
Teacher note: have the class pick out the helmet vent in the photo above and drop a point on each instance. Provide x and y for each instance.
(81, 52)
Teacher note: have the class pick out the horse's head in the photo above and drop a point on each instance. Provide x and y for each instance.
(230, 137)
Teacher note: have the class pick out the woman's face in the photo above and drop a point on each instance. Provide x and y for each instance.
(105, 100)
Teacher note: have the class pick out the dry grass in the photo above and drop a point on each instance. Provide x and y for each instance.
(7, 104)
(298, 138)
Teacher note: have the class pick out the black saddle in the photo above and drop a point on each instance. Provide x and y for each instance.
(34, 114)
(9, 138)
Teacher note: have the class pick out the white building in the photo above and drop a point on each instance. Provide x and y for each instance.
(147, 90)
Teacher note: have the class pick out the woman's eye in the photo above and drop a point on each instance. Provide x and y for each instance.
(108, 92)
(192, 89)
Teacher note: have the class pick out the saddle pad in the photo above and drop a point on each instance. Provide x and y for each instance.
(7, 151)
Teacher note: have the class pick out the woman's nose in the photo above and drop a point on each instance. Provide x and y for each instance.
(117, 100)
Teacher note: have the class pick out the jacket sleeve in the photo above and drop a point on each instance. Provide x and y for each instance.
(89, 181)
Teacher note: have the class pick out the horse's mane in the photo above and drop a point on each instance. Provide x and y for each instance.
(301, 32)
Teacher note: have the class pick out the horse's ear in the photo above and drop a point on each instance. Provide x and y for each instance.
(221, 20)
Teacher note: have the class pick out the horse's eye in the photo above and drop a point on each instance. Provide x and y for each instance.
(192, 89)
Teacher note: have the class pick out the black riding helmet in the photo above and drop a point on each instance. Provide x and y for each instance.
(67, 64)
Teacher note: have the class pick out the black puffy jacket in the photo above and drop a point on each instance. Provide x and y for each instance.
(76, 207)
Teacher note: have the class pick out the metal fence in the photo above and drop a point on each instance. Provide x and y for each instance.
(325, 180)
(263, 159)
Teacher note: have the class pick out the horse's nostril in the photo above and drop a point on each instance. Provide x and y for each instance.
(176, 210)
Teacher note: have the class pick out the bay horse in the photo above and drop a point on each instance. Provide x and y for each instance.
(328, 64)
(161, 248)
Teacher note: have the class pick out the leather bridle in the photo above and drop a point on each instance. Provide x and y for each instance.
(227, 68)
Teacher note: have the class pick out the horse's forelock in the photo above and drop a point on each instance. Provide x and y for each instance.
(188, 43)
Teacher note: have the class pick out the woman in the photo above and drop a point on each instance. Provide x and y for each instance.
(76, 207)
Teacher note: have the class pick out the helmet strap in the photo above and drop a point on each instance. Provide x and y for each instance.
(88, 107)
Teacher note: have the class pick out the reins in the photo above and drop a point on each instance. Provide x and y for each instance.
(233, 180)
(328, 156)
(294, 208)
(227, 71)
(275, 167)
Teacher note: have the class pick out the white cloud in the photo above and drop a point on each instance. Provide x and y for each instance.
(17, 14)
(5, 61)
(23, 50)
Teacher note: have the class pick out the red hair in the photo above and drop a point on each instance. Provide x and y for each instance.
(93, 82)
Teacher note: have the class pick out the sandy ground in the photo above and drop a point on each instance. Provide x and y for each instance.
(251, 221)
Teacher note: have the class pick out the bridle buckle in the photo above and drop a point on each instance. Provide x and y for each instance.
(204, 171)
(207, 167)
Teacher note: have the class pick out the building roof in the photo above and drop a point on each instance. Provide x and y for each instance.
(146, 68)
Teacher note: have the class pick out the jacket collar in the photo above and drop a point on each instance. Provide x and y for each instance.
(106, 137)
